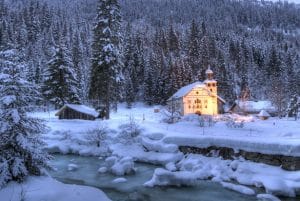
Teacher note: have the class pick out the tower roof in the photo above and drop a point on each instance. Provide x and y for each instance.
(209, 71)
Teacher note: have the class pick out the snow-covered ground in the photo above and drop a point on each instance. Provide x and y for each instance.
(158, 144)
(48, 189)
(273, 136)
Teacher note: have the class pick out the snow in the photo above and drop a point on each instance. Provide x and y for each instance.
(238, 188)
(102, 170)
(120, 166)
(186, 89)
(80, 108)
(48, 189)
(226, 172)
(267, 197)
(256, 106)
(119, 180)
(72, 167)
(158, 144)
(264, 113)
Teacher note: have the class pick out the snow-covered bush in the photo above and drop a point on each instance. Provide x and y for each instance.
(97, 137)
(206, 121)
(129, 131)
(231, 123)
(171, 117)
(119, 166)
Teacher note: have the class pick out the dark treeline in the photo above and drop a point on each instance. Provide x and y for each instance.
(166, 44)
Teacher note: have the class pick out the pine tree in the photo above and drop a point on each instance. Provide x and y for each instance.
(106, 63)
(60, 86)
(193, 47)
(20, 145)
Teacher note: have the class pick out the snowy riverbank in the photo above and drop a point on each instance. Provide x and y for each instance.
(47, 189)
(158, 144)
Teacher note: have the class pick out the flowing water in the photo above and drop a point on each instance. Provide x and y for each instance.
(133, 189)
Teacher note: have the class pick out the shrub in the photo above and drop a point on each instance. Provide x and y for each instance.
(129, 131)
(97, 136)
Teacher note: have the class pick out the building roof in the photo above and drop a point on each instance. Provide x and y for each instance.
(264, 113)
(209, 71)
(79, 108)
(186, 89)
(256, 106)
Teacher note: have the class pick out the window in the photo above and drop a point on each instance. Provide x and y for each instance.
(208, 85)
(211, 90)
(197, 92)
(213, 84)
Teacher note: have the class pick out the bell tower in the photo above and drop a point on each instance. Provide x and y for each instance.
(211, 84)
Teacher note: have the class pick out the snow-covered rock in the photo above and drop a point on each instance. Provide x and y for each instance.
(119, 180)
(102, 170)
(267, 197)
(162, 177)
(171, 166)
(120, 166)
(238, 188)
(72, 167)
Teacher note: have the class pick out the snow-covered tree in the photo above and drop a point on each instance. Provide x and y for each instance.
(106, 59)
(20, 145)
(293, 109)
(61, 84)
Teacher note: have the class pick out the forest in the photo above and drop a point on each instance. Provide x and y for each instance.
(252, 46)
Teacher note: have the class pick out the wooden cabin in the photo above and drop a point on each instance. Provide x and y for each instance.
(253, 107)
(198, 98)
(74, 111)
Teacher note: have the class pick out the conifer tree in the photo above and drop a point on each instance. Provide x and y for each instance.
(61, 85)
(106, 64)
(20, 145)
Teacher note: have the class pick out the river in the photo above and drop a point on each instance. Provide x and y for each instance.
(133, 189)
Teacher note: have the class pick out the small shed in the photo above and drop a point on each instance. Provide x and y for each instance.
(75, 111)
(253, 107)
(263, 115)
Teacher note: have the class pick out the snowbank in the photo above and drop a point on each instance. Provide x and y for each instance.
(48, 189)
(196, 167)
(119, 166)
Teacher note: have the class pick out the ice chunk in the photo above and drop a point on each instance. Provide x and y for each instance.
(72, 167)
(171, 167)
(102, 170)
(238, 188)
(267, 197)
(119, 180)
(162, 177)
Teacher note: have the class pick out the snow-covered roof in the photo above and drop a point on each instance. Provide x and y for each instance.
(186, 89)
(256, 106)
(263, 113)
(80, 108)
(209, 71)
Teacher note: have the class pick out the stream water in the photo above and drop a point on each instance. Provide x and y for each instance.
(133, 189)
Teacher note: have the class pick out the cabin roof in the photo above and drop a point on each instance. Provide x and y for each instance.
(255, 106)
(264, 113)
(79, 108)
(186, 89)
